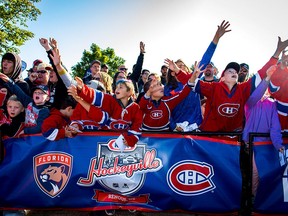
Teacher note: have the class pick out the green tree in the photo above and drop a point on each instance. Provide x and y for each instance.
(14, 15)
(105, 56)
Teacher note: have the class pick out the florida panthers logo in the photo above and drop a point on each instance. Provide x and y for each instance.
(52, 171)
(228, 109)
(190, 178)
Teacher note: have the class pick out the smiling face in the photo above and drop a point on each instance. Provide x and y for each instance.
(209, 71)
(14, 108)
(39, 97)
(43, 77)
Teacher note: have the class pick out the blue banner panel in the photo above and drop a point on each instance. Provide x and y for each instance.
(161, 173)
(272, 193)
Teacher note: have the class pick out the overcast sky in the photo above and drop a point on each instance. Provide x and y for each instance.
(169, 28)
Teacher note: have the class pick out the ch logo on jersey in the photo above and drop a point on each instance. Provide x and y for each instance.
(52, 171)
(119, 125)
(190, 178)
(228, 109)
(156, 114)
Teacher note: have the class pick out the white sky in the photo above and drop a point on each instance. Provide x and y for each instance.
(169, 28)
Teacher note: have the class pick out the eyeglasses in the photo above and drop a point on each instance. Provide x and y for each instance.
(123, 69)
(41, 71)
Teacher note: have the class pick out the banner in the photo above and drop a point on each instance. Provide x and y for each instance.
(272, 193)
(162, 172)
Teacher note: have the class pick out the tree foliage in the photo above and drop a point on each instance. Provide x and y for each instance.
(105, 56)
(14, 15)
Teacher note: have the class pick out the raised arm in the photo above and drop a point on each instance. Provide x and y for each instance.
(138, 66)
(261, 88)
(64, 75)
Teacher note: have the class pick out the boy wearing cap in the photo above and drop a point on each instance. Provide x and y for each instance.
(224, 109)
(36, 108)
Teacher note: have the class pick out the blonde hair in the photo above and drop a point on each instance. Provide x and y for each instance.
(15, 99)
(186, 67)
(107, 81)
(129, 85)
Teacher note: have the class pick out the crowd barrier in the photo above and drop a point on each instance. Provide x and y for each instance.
(197, 173)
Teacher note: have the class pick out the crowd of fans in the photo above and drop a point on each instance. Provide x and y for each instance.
(51, 102)
(179, 99)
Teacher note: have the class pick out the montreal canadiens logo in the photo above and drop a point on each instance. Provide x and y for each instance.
(120, 125)
(52, 171)
(156, 114)
(228, 109)
(190, 178)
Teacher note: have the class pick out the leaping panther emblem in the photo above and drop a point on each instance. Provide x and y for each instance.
(52, 172)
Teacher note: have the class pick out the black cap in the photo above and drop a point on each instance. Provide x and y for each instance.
(246, 66)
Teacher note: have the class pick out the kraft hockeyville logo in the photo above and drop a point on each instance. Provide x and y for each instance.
(190, 178)
(119, 171)
(228, 109)
(52, 171)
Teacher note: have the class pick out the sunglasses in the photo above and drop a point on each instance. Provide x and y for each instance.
(96, 78)
(42, 71)
(123, 69)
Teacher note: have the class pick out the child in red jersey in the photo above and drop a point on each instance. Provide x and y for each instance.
(156, 108)
(56, 126)
(124, 114)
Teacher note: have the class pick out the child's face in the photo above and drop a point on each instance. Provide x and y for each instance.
(231, 75)
(14, 108)
(39, 97)
(122, 92)
(158, 90)
(69, 111)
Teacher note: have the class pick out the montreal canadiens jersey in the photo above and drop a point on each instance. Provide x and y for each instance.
(224, 109)
(157, 113)
(125, 119)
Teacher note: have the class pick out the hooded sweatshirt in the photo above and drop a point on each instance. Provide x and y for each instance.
(15, 76)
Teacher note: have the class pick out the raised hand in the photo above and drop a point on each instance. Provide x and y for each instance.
(53, 43)
(281, 45)
(221, 30)
(142, 47)
(284, 59)
(79, 82)
(172, 65)
(44, 43)
(196, 72)
(72, 90)
(56, 57)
